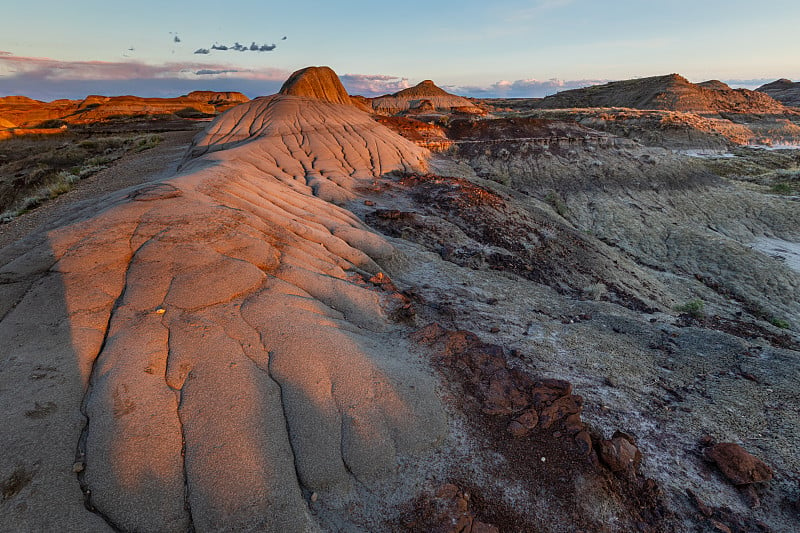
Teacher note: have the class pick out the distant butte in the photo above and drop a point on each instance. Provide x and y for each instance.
(785, 91)
(25, 113)
(423, 97)
(671, 92)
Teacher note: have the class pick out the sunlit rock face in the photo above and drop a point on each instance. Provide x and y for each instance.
(26, 112)
(425, 96)
(320, 83)
(671, 92)
(205, 348)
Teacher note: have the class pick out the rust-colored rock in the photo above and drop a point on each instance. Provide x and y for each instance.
(320, 83)
(447, 511)
(560, 409)
(524, 423)
(620, 453)
(739, 466)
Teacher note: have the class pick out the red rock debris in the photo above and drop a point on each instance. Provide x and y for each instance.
(447, 511)
(739, 466)
(508, 392)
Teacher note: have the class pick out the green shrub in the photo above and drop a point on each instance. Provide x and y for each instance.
(782, 188)
(557, 202)
(780, 323)
(694, 308)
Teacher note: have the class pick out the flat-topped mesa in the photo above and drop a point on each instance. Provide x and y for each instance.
(320, 83)
(671, 92)
(215, 97)
(424, 97)
(28, 113)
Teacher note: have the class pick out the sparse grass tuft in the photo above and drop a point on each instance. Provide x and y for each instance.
(34, 170)
(145, 143)
(780, 323)
(693, 308)
(557, 202)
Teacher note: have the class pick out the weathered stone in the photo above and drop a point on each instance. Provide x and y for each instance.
(739, 466)
(560, 409)
(620, 453)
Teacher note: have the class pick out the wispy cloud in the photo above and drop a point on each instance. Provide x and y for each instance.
(47, 69)
(46, 78)
(528, 88)
(749, 84)
(373, 84)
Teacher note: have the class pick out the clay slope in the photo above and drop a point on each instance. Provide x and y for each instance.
(425, 96)
(671, 92)
(785, 91)
(205, 352)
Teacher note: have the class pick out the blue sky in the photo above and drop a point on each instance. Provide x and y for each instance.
(51, 49)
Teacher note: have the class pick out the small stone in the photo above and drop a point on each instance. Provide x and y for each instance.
(517, 429)
(78, 467)
(314, 497)
(160, 311)
(620, 453)
(584, 442)
(739, 466)
(369, 203)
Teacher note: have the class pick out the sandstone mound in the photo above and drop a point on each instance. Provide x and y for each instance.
(320, 83)
(425, 96)
(671, 92)
(785, 91)
(209, 343)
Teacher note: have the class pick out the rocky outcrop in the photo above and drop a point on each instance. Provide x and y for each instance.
(215, 353)
(130, 106)
(671, 92)
(423, 97)
(320, 83)
(216, 98)
(26, 112)
(785, 91)
(423, 134)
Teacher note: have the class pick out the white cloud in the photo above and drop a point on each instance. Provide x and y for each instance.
(47, 69)
(527, 88)
(373, 84)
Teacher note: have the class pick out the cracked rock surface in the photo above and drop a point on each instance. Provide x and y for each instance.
(198, 352)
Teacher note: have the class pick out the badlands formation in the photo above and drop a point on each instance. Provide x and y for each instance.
(319, 324)
(20, 115)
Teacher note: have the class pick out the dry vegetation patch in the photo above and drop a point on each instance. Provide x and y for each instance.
(34, 169)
